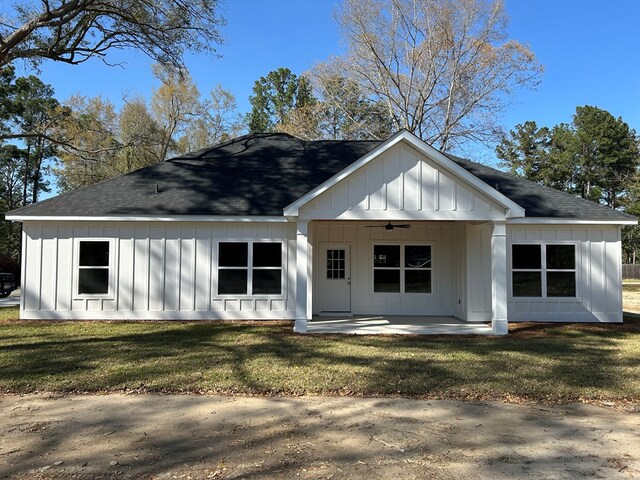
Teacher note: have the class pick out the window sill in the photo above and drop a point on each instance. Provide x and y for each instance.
(248, 297)
(102, 296)
(542, 298)
(412, 294)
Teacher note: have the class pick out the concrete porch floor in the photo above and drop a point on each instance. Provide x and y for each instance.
(396, 324)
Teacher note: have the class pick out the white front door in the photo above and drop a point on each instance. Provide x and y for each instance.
(335, 279)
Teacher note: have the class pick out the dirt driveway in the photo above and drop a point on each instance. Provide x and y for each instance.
(173, 436)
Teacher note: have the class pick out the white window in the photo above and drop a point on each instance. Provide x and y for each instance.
(402, 268)
(543, 270)
(245, 267)
(336, 263)
(93, 267)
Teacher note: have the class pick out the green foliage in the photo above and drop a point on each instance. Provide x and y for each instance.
(630, 243)
(27, 106)
(275, 97)
(596, 157)
(606, 154)
(526, 152)
(538, 154)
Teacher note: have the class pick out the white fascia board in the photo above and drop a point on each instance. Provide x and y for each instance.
(568, 221)
(512, 209)
(148, 218)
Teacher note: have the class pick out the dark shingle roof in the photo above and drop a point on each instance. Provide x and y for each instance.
(261, 174)
(538, 200)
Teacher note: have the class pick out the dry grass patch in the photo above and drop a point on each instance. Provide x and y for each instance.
(541, 362)
(631, 296)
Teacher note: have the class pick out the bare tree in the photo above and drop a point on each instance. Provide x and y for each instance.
(90, 142)
(443, 68)
(140, 135)
(174, 105)
(217, 121)
(73, 31)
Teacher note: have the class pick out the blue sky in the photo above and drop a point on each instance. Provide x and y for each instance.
(589, 48)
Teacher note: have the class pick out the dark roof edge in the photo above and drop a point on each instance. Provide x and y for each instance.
(607, 211)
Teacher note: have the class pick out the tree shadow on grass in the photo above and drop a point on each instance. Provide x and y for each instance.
(231, 356)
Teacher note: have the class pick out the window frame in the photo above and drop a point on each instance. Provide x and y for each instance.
(77, 267)
(249, 268)
(403, 268)
(544, 270)
(341, 269)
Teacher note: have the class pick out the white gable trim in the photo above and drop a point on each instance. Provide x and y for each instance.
(513, 209)
(568, 221)
(147, 218)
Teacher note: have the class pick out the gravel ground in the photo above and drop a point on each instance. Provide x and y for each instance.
(186, 436)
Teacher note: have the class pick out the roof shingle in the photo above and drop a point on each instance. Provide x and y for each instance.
(261, 174)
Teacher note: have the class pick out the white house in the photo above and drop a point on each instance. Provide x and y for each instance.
(272, 227)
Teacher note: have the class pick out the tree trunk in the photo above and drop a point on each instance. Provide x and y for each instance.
(25, 179)
(36, 173)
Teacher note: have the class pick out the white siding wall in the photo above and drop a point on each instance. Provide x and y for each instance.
(459, 246)
(478, 259)
(598, 275)
(361, 239)
(167, 271)
(402, 184)
(158, 270)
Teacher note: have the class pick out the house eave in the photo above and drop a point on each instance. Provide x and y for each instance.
(148, 218)
(568, 221)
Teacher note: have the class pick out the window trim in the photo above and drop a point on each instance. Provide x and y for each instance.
(402, 268)
(249, 268)
(76, 269)
(342, 270)
(543, 269)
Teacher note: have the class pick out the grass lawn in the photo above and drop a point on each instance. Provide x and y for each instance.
(631, 295)
(537, 361)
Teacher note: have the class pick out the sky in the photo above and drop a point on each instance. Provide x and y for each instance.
(589, 50)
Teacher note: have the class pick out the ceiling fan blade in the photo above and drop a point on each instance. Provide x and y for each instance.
(389, 226)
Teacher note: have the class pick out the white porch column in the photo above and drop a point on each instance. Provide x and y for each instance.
(499, 278)
(303, 281)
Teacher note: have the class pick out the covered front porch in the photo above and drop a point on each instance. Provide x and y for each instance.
(460, 286)
(402, 234)
(396, 325)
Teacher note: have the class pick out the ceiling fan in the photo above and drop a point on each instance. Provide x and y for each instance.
(389, 226)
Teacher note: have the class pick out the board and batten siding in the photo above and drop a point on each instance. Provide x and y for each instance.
(361, 239)
(402, 184)
(478, 280)
(157, 271)
(168, 270)
(598, 275)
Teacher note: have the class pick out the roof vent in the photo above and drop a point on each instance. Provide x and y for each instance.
(157, 188)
